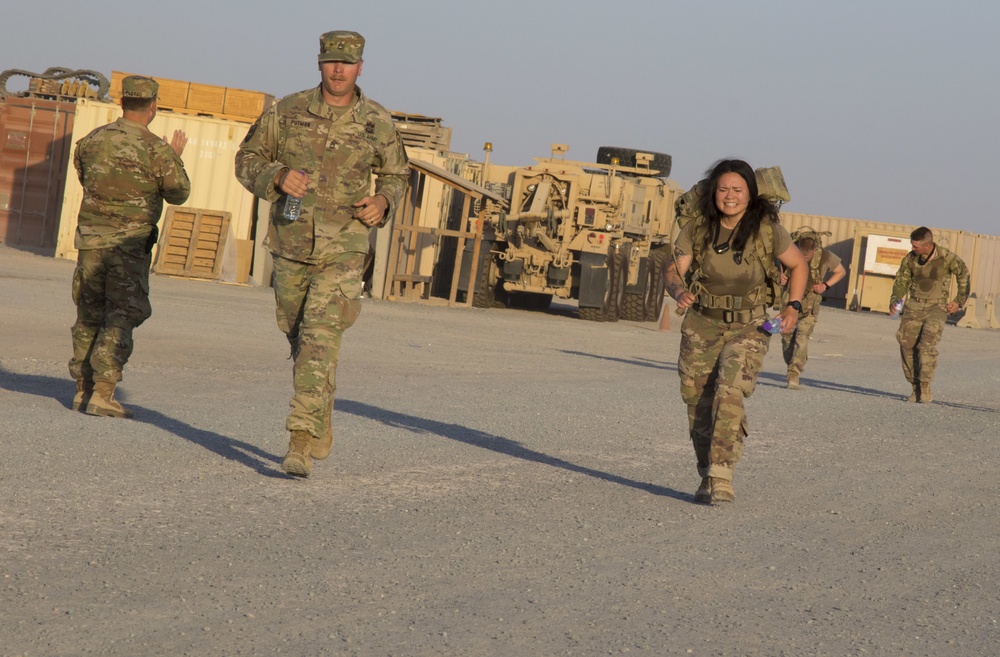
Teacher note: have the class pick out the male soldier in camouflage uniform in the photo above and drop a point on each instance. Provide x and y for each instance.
(322, 145)
(127, 173)
(925, 274)
(795, 345)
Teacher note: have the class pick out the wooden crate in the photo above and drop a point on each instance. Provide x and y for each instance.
(202, 99)
(193, 243)
(206, 99)
(249, 104)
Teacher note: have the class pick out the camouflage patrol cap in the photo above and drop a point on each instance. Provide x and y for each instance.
(341, 46)
(137, 86)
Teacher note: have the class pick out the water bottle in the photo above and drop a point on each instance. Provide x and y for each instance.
(293, 206)
(772, 325)
(897, 308)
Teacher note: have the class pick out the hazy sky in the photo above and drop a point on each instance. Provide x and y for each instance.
(879, 110)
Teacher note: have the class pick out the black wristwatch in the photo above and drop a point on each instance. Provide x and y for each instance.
(797, 305)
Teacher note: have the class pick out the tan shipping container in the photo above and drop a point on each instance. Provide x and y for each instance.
(208, 159)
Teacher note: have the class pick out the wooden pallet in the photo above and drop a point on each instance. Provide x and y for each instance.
(193, 243)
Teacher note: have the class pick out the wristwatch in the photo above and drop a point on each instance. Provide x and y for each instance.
(797, 305)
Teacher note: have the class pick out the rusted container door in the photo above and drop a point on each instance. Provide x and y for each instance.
(35, 147)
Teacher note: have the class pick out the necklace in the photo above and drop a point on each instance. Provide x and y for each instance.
(722, 248)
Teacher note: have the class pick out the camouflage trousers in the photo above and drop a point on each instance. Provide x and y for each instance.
(111, 293)
(795, 345)
(718, 365)
(315, 304)
(920, 328)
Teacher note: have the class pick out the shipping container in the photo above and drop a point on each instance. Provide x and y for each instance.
(209, 159)
(35, 149)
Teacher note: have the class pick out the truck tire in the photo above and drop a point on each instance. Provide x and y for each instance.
(634, 303)
(626, 158)
(657, 263)
(489, 292)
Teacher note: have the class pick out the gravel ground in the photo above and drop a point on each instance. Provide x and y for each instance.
(503, 483)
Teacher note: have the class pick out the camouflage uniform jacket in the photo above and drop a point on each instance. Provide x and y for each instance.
(126, 172)
(339, 153)
(931, 282)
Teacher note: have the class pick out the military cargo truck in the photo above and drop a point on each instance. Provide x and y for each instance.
(595, 232)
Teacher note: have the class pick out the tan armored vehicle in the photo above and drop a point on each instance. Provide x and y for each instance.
(595, 232)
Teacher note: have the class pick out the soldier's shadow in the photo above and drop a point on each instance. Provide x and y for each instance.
(231, 449)
(779, 381)
(494, 443)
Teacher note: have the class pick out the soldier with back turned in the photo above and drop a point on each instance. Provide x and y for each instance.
(127, 173)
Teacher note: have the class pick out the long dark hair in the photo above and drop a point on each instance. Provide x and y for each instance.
(758, 209)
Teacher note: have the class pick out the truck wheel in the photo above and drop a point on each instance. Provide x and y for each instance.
(634, 303)
(626, 158)
(489, 291)
(654, 286)
(617, 283)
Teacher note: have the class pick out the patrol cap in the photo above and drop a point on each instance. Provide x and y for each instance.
(137, 86)
(341, 46)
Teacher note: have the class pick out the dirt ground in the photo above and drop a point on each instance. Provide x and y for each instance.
(503, 483)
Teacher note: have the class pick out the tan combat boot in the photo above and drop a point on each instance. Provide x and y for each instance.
(915, 395)
(925, 393)
(84, 390)
(103, 403)
(704, 493)
(297, 461)
(793, 381)
(722, 490)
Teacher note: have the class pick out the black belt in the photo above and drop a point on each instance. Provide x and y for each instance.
(730, 316)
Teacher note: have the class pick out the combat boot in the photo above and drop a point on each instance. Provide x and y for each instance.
(297, 461)
(103, 403)
(925, 393)
(704, 493)
(915, 395)
(84, 390)
(793, 381)
(722, 490)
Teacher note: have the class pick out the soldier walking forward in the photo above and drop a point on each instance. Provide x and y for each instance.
(322, 146)
(795, 345)
(127, 173)
(728, 255)
(925, 275)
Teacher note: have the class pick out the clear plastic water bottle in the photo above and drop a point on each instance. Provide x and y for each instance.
(897, 308)
(293, 206)
(772, 325)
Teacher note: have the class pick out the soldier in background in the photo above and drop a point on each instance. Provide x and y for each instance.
(795, 345)
(322, 145)
(127, 173)
(925, 275)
